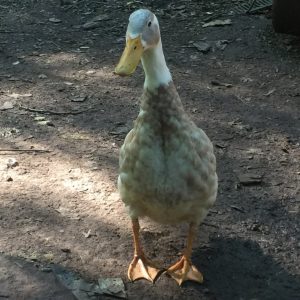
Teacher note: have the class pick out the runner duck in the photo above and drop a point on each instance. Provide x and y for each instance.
(167, 164)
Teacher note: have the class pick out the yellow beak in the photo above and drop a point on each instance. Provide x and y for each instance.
(130, 58)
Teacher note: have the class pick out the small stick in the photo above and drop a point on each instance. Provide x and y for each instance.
(24, 150)
(251, 6)
(237, 208)
(51, 112)
(209, 224)
(8, 31)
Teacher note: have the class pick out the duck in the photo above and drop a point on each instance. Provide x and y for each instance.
(167, 166)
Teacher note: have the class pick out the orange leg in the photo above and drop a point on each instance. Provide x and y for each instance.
(184, 270)
(141, 266)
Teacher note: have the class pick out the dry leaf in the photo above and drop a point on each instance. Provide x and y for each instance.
(202, 46)
(7, 105)
(16, 95)
(55, 20)
(218, 23)
(87, 234)
(270, 92)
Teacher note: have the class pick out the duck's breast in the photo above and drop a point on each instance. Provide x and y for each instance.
(169, 178)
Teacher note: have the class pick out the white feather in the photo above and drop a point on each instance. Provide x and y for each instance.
(156, 71)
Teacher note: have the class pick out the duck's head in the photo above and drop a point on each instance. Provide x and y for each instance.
(142, 34)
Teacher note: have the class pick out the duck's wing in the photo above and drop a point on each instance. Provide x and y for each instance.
(127, 141)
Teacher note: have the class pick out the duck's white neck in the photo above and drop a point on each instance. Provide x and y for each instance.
(155, 67)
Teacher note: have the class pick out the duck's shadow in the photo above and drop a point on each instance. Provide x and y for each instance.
(239, 269)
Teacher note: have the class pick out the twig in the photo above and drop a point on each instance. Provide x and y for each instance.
(18, 264)
(51, 112)
(112, 295)
(55, 44)
(209, 224)
(237, 208)
(251, 6)
(25, 150)
(8, 31)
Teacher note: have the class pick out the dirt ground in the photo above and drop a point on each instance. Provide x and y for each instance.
(58, 93)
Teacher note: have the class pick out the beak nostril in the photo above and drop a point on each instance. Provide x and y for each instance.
(134, 48)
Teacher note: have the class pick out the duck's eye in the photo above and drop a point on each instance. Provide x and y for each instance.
(149, 24)
(134, 48)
